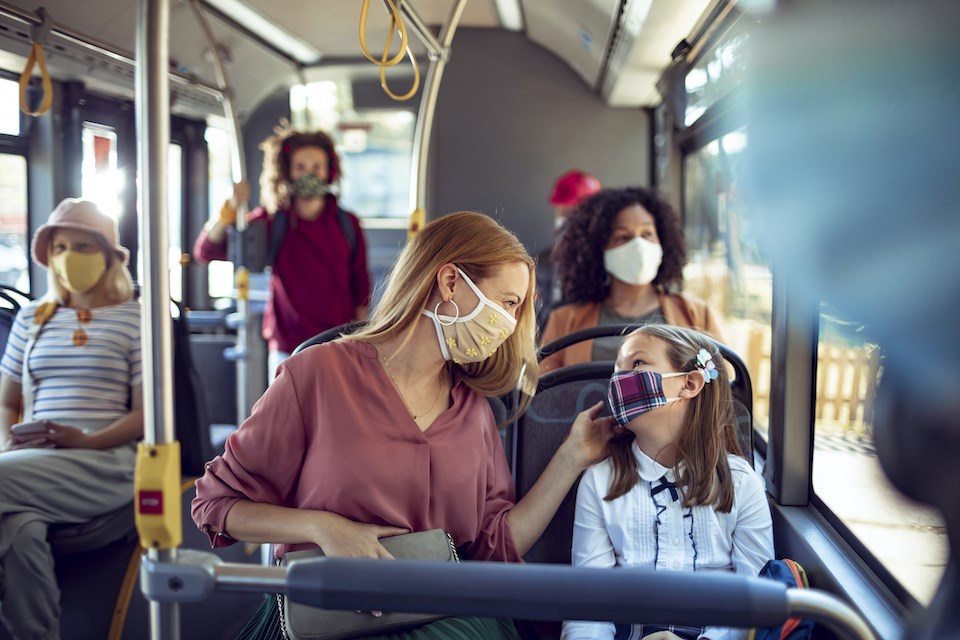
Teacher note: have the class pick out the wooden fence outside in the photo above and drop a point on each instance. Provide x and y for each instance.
(845, 386)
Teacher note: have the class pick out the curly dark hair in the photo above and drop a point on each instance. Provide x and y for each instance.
(578, 255)
(277, 151)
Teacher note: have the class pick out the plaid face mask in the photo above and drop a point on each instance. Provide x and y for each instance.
(632, 393)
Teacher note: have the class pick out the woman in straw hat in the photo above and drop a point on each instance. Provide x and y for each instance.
(71, 378)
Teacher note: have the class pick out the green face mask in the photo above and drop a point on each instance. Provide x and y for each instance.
(308, 186)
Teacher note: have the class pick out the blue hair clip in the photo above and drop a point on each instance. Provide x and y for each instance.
(706, 366)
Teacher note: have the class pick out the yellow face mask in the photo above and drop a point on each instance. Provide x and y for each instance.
(79, 272)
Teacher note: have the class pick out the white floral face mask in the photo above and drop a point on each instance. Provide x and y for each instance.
(475, 336)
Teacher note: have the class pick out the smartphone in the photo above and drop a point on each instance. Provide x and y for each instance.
(29, 428)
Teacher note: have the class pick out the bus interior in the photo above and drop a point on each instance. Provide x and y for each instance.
(808, 145)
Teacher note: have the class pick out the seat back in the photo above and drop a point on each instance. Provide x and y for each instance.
(190, 402)
(561, 395)
(10, 302)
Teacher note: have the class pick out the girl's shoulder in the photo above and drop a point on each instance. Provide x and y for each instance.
(599, 475)
(745, 477)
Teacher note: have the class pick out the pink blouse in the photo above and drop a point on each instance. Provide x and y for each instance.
(331, 433)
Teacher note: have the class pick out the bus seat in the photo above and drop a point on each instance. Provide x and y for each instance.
(10, 302)
(190, 401)
(330, 334)
(561, 395)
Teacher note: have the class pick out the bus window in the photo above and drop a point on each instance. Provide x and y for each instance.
(725, 267)
(718, 73)
(13, 221)
(102, 181)
(220, 273)
(375, 147)
(910, 540)
(9, 107)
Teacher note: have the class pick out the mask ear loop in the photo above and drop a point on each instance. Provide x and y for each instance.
(436, 312)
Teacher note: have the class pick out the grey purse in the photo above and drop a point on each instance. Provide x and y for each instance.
(303, 622)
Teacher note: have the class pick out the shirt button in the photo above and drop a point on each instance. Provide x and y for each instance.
(676, 541)
(674, 565)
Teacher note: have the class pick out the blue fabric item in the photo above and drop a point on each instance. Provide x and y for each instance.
(791, 574)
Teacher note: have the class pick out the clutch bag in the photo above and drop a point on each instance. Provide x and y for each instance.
(303, 622)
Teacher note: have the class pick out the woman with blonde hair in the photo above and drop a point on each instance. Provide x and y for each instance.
(71, 379)
(388, 431)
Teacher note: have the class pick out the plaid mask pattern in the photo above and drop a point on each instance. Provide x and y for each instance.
(632, 393)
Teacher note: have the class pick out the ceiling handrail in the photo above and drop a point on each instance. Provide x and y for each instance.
(38, 38)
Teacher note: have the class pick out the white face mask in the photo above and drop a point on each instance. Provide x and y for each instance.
(636, 262)
(475, 336)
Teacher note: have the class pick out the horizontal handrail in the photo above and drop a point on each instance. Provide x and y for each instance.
(531, 591)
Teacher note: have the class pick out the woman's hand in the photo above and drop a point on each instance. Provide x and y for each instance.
(587, 442)
(32, 441)
(63, 437)
(346, 538)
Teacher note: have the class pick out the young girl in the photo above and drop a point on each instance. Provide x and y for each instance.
(674, 495)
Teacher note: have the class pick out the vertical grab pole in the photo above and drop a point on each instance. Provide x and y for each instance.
(239, 170)
(428, 104)
(153, 136)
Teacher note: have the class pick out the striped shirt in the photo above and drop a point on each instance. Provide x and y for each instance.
(89, 382)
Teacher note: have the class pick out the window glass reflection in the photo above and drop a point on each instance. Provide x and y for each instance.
(725, 266)
(908, 538)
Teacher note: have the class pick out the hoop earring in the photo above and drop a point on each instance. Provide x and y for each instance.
(436, 312)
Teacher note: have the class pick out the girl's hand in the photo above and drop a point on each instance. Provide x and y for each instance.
(346, 538)
(64, 437)
(588, 438)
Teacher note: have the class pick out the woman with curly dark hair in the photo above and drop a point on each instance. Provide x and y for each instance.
(319, 278)
(620, 260)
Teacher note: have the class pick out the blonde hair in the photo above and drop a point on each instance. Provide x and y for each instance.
(116, 280)
(479, 246)
(708, 433)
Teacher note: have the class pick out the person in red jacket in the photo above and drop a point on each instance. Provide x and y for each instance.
(319, 278)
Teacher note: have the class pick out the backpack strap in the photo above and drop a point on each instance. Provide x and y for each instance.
(281, 222)
(348, 231)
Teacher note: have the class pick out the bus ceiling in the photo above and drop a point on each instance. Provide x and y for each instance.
(618, 48)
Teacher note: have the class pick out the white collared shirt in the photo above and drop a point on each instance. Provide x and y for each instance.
(655, 531)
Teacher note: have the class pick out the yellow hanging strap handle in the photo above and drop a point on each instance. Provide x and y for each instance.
(38, 35)
(396, 21)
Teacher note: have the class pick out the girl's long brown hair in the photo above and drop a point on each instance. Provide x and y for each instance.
(708, 433)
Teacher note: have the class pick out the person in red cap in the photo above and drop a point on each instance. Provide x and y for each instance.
(72, 369)
(568, 191)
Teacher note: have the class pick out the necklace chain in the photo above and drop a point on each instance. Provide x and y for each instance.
(386, 366)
